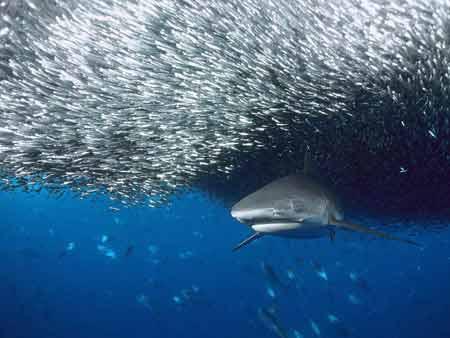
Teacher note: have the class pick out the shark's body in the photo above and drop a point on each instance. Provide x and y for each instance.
(295, 206)
(292, 206)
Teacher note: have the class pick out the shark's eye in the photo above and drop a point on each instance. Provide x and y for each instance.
(288, 207)
(275, 213)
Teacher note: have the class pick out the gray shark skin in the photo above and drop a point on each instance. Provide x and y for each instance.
(295, 206)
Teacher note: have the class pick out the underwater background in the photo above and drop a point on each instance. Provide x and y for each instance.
(128, 129)
(77, 268)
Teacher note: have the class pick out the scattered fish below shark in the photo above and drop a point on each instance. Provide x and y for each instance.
(129, 250)
(296, 206)
(359, 281)
(274, 283)
(144, 300)
(353, 299)
(269, 318)
(70, 247)
(290, 274)
(297, 334)
(271, 275)
(320, 271)
(332, 318)
(108, 252)
(315, 328)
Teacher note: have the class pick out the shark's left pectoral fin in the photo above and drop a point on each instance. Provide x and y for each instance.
(360, 228)
(248, 240)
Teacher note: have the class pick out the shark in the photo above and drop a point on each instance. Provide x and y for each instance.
(297, 206)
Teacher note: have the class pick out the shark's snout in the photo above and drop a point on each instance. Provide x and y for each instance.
(246, 214)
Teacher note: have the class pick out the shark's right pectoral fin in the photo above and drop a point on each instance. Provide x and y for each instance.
(360, 228)
(248, 240)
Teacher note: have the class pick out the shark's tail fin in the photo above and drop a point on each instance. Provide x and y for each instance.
(360, 228)
(248, 240)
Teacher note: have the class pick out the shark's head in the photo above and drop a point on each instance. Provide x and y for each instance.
(295, 198)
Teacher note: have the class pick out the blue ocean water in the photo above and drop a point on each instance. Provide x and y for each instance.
(76, 268)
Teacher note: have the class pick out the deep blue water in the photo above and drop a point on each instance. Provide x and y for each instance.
(57, 282)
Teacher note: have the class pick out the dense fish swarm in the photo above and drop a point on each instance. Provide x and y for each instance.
(141, 98)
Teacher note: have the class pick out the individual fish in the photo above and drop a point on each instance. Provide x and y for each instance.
(359, 281)
(271, 275)
(143, 299)
(186, 295)
(198, 234)
(177, 300)
(268, 317)
(297, 334)
(271, 292)
(332, 318)
(70, 247)
(108, 252)
(322, 274)
(189, 293)
(186, 254)
(290, 274)
(153, 249)
(353, 299)
(320, 271)
(129, 250)
(274, 283)
(314, 327)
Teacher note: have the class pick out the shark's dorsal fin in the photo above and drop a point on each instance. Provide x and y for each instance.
(360, 228)
(307, 162)
(248, 240)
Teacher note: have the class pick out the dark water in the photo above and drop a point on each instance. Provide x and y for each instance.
(174, 275)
